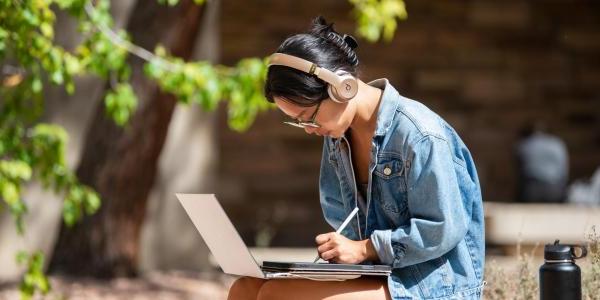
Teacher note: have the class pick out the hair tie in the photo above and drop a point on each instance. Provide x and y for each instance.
(346, 43)
(350, 41)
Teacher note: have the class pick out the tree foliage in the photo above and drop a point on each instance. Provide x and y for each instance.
(377, 18)
(30, 60)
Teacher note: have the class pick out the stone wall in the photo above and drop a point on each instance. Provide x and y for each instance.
(488, 67)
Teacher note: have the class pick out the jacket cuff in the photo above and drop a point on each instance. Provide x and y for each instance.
(382, 242)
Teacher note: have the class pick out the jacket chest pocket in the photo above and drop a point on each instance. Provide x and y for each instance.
(390, 184)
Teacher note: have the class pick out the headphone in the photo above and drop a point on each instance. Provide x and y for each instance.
(341, 86)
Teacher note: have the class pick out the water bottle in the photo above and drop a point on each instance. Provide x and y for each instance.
(560, 277)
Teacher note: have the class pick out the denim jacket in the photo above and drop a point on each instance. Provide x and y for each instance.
(424, 210)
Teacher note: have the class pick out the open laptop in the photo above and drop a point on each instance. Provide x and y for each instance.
(232, 254)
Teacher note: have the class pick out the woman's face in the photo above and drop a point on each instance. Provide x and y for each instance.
(334, 118)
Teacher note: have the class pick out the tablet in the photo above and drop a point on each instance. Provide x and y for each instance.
(301, 267)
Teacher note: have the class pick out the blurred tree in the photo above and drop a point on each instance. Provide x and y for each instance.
(119, 162)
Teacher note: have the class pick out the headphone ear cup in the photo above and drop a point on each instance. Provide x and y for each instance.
(347, 90)
(333, 94)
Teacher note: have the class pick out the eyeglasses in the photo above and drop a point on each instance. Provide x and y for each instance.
(303, 124)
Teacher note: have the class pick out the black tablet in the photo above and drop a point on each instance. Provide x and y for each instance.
(326, 267)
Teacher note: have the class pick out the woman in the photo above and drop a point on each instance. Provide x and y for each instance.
(406, 169)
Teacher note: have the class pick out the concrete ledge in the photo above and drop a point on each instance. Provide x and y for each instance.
(529, 224)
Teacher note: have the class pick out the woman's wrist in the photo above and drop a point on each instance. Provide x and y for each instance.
(368, 251)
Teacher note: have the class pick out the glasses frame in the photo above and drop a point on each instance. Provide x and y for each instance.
(310, 123)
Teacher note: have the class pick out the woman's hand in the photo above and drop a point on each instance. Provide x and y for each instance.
(334, 247)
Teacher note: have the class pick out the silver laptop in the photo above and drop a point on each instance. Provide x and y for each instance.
(232, 254)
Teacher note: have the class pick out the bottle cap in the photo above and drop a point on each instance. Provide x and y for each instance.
(562, 252)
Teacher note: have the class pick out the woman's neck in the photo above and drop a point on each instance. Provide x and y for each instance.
(367, 104)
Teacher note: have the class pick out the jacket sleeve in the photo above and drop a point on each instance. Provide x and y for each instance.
(438, 218)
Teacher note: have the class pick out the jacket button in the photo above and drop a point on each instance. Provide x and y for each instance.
(387, 171)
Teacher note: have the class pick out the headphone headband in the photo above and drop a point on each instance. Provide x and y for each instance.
(306, 66)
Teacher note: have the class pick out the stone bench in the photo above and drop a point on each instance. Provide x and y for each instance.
(509, 224)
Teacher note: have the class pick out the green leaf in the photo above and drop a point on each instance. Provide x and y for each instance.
(378, 18)
(121, 103)
(70, 87)
(70, 212)
(153, 69)
(22, 257)
(47, 30)
(30, 17)
(36, 85)
(15, 169)
(34, 278)
(9, 192)
(57, 77)
(92, 202)
(72, 64)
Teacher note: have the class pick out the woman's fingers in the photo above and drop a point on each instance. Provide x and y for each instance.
(336, 248)
(323, 238)
(325, 247)
(330, 255)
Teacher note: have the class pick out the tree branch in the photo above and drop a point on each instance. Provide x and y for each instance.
(125, 44)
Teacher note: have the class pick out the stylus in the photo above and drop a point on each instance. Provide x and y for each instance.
(339, 230)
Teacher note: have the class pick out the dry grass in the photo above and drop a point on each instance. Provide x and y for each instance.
(591, 277)
(503, 284)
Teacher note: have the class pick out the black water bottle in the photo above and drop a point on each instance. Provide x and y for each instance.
(560, 277)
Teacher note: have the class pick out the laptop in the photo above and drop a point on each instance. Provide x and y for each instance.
(232, 254)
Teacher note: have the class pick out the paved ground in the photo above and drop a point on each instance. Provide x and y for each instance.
(159, 286)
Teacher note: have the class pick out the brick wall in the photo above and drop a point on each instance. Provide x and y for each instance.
(488, 67)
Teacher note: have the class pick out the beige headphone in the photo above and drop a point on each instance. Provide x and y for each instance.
(342, 86)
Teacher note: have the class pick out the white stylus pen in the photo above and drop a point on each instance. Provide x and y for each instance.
(342, 227)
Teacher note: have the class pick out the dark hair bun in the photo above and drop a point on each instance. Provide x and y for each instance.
(320, 27)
